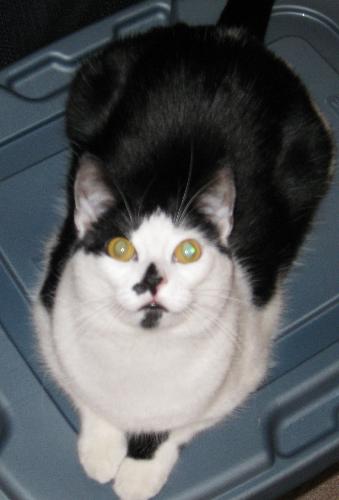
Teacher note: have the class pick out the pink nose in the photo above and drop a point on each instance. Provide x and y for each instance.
(159, 284)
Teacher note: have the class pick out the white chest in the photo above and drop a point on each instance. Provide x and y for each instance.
(146, 383)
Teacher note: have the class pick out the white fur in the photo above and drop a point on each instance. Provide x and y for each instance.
(91, 196)
(218, 202)
(142, 479)
(101, 447)
(202, 360)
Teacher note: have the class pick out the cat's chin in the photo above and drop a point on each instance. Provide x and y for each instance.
(152, 315)
(153, 320)
(188, 318)
(157, 319)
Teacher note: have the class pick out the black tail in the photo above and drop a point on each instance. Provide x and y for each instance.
(249, 14)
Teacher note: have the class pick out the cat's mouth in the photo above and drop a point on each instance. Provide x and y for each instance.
(153, 306)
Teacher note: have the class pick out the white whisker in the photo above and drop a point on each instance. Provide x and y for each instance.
(189, 176)
(192, 199)
(124, 199)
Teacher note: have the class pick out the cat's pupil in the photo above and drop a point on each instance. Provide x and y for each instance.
(121, 247)
(189, 250)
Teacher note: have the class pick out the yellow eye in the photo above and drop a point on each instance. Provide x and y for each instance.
(187, 251)
(120, 249)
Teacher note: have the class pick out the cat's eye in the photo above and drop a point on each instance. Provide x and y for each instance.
(187, 251)
(120, 249)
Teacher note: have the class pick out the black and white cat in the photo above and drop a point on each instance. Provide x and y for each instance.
(198, 162)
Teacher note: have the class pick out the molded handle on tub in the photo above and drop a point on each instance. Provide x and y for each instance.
(33, 91)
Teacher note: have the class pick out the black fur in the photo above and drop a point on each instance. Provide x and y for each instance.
(152, 317)
(254, 17)
(150, 281)
(141, 105)
(143, 446)
(60, 253)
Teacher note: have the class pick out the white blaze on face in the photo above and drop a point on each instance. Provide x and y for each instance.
(187, 292)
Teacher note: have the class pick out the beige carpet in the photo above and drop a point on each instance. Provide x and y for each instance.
(323, 487)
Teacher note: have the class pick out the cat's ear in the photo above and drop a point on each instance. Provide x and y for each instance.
(217, 202)
(92, 195)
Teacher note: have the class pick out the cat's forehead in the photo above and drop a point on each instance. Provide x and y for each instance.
(158, 233)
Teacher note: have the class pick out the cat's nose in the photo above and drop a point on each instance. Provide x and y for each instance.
(155, 285)
(150, 282)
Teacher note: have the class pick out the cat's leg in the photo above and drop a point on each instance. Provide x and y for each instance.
(101, 447)
(141, 478)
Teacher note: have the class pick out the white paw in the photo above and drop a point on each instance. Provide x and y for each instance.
(101, 456)
(143, 479)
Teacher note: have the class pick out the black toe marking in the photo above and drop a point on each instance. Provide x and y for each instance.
(143, 446)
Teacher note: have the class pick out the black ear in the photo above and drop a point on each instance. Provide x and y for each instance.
(95, 92)
(92, 194)
(217, 202)
(251, 15)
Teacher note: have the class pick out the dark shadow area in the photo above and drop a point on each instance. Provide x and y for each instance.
(28, 25)
(325, 486)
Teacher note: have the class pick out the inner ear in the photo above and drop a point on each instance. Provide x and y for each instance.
(92, 194)
(217, 202)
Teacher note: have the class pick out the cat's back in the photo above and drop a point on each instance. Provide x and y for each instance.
(142, 98)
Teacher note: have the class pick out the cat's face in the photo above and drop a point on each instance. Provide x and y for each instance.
(174, 277)
(162, 272)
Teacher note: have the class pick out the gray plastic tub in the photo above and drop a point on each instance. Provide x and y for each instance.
(285, 433)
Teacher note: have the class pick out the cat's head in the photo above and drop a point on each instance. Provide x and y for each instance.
(149, 264)
(145, 104)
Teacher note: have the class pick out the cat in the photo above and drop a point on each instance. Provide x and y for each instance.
(198, 163)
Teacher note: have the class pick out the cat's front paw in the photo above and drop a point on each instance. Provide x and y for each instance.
(143, 479)
(101, 456)
(138, 480)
